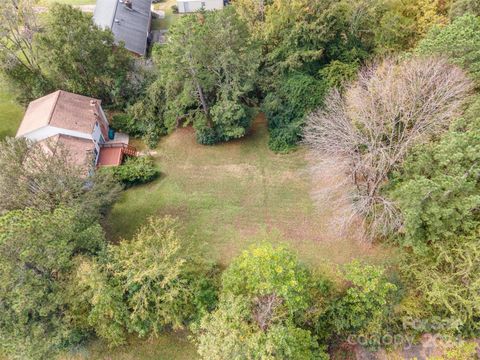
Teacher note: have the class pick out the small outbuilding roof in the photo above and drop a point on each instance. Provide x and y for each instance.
(129, 21)
(63, 110)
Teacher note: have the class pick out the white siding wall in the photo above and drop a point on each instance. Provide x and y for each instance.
(195, 5)
(97, 136)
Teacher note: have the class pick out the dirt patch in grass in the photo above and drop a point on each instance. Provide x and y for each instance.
(231, 195)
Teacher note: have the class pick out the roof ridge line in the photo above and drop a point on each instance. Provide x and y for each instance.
(117, 2)
(54, 107)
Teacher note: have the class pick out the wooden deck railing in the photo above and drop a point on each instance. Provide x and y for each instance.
(126, 149)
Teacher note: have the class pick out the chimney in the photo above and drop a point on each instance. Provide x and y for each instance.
(95, 108)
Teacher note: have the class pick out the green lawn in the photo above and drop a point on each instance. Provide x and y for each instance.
(227, 197)
(170, 17)
(231, 195)
(10, 113)
(173, 347)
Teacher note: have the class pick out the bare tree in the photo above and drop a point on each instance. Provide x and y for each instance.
(368, 131)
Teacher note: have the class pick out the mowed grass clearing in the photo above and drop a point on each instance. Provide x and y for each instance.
(174, 346)
(231, 195)
(226, 198)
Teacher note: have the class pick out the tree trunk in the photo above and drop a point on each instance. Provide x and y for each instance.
(201, 95)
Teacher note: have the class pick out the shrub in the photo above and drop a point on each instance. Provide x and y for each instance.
(283, 140)
(135, 170)
(174, 9)
(125, 123)
(337, 73)
(286, 106)
(206, 136)
(364, 307)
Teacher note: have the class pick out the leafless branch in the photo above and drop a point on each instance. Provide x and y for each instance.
(369, 130)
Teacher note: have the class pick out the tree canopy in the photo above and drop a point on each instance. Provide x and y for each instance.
(266, 301)
(30, 177)
(37, 251)
(62, 50)
(207, 71)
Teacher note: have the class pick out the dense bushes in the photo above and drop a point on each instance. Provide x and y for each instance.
(144, 285)
(135, 170)
(271, 306)
(267, 301)
(459, 41)
(286, 107)
(367, 303)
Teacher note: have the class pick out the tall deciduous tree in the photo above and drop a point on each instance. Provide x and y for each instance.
(208, 69)
(19, 60)
(144, 285)
(78, 56)
(62, 50)
(36, 256)
(267, 300)
(391, 108)
(31, 177)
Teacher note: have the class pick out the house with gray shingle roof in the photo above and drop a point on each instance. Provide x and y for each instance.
(129, 20)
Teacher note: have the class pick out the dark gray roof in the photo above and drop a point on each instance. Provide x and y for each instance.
(128, 25)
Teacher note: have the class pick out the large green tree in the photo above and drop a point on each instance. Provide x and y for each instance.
(459, 41)
(208, 70)
(144, 285)
(36, 256)
(78, 56)
(63, 49)
(267, 303)
(438, 194)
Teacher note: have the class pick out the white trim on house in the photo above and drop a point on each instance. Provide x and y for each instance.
(49, 131)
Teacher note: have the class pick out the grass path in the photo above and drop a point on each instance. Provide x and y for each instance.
(175, 346)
